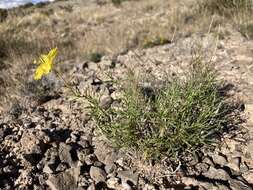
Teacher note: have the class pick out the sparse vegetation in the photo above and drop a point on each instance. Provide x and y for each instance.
(147, 43)
(227, 7)
(237, 12)
(95, 57)
(165, 118)
(247, 30)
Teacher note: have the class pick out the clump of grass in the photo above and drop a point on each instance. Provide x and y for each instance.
(159, 40)
(172, 117)
(95, 57)
(247, 30)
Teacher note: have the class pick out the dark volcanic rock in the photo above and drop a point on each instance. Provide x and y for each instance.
(64, 181)
(33, 158)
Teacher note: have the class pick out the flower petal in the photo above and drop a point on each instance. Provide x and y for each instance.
(46, 62)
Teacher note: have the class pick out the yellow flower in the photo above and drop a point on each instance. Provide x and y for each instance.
(46, 64)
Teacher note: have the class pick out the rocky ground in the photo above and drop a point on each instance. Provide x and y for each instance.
(54, 144)
(50, 142)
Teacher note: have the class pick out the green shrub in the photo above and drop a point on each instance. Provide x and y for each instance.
(171, 117)
(95, 57)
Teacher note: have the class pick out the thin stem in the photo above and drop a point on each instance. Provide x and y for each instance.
(67, 85)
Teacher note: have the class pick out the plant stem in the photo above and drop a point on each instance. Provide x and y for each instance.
(67, 85)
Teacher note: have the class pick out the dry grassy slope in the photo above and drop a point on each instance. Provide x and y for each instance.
(79, 28)
(92, 27)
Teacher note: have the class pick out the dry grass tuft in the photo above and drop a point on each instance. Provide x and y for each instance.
(166, 118)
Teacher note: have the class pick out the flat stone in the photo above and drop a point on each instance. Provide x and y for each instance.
(217, 174)
(218, 159)
(64, 181)
(110, 168)
(105, 153)
(97, 174)
(92, 187)
(248, 151)
(126, 186)
(65, 154)
(106, 101)
(193, 182)
(221, 186)
(51, 161)
(113, 183)
(30, 143)
(238, 185)
(189, 181)
(243, 167)
(47, 169)
(98, 164)
(248, 176)
(234, 164)
(249, 110)
(128, 175)
(208, 161)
